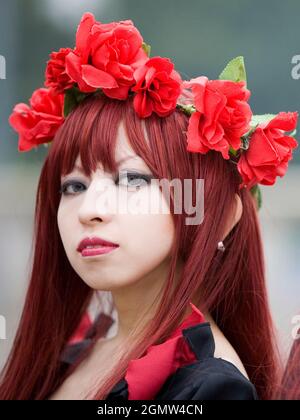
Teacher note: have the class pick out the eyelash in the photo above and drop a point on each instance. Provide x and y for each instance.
(134, 175)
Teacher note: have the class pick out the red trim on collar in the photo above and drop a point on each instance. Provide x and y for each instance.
(81, 330)
(145, 376)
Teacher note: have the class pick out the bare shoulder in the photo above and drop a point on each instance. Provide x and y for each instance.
(223, 348)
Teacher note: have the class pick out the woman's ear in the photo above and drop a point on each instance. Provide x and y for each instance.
(235, 217)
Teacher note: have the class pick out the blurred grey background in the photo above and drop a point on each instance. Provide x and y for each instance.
(200, 37)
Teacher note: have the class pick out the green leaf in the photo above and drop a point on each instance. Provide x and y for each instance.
(259, 119)
(187, 109)
(73, 97)
(233, 151)
(293, 133)
(69, 102)
(146, 48)
(235, 70)
(256, 192)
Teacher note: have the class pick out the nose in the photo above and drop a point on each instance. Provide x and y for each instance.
(96, 205)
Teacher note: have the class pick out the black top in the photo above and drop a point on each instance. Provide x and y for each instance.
(207, 378)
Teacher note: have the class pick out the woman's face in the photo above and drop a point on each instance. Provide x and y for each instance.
(119, 211)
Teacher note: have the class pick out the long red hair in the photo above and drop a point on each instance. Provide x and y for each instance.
(290, 384)
(230, 285)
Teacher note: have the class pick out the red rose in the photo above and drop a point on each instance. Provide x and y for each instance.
(222, 115)
(157, 88)
(56, 76)
(269, 151)
(106, 56)
(38, 123)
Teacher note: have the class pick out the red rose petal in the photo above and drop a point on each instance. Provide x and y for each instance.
(83, 31)
(97, 78)
(142, 106)
(284, 121)
(73, 69)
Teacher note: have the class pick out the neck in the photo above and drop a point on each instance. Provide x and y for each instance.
(137, 303)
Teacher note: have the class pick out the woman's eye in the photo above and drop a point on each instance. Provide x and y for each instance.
(133, 180)
(71, 187)
(129, 180)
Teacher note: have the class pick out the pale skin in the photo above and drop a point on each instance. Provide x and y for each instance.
(134, 277)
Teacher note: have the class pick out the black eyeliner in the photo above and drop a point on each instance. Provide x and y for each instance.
(66, 184)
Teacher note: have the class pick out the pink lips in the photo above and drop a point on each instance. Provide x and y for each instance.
(92, 246)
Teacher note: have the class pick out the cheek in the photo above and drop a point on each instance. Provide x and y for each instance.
(155, 229)
(156, 233)
(147, 243)
(149, 236)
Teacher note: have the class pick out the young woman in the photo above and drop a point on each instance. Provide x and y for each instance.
(188, 316)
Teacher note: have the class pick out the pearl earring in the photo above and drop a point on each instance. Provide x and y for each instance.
(221, 246)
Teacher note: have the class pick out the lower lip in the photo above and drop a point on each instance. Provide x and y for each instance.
(91, 252)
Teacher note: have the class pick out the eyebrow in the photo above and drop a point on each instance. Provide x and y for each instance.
(127, 158)
(80, 169)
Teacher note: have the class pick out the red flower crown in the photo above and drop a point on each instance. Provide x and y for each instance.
(112, 59)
